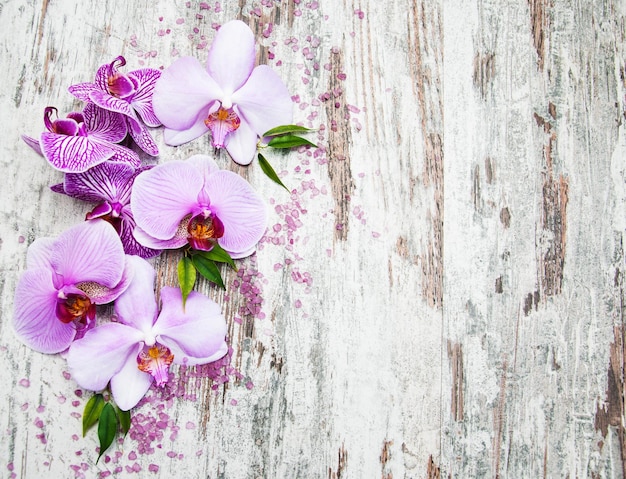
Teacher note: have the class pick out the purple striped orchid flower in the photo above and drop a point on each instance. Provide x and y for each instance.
(194, 202)
(139, 348)
(129, 94)
(65, 278)
(83, 140)
(109, 185)
(231, 98)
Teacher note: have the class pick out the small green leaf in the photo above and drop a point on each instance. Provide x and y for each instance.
(208, 269)
(186, 277)
(281, 130)
(107, 428)
(124, 417)
(218, 254)
(269, 171)
(92, 412)
(289, 141)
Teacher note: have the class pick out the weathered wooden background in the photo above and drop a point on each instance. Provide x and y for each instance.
(443, 292)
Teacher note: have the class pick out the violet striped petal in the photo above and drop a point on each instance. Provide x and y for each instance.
(82, 90)
(124, 155)
(89, 252)
(147, 241)
(240, 208)
(103, 124)
(163, 196)
(104, 182)
(94, 359)
(198, 329)
(111, 103)
(142, 137)
(180, 137)
(34, 144)
(145, 80)
(130, 243)
(102, 78)
(73, 154)
(34, 320)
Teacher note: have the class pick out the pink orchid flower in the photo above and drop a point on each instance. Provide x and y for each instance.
(194, 202)
(109, 185)
(129, 94)
(234, 100)
(139, 348)
(65, 278)
(83, 140)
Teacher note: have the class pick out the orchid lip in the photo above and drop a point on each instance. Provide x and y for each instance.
(155, 360)
(222, 123)
(203, 230)
(118, 84)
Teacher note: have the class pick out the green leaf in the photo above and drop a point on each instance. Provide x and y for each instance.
(124, 417)
(186, 277)
(269, 171)
(92, 411)
(281, 130)
(208, 269)
(107, 428)
(218, 254)
(289, 141)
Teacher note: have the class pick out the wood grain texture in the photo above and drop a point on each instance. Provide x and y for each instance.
(441, 295)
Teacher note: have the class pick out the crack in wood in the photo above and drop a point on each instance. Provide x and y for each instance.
(342, 463)
(539, 23)
(455, 354)
(339, 138)
(484, 72)
(385, 455)
(432, 470)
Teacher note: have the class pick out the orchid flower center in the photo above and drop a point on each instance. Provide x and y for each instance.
(203, 231)
(109, 212)
(155, 360)
(222, 122)
(75, 307)
(118, 84)
(73, 125)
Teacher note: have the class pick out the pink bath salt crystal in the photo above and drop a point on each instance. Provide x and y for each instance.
(171, 454)
(153, 468)
(375, 234)
(297, 13)
(20, 239)
(41, 409)
(61, 399)
(298, 303)
(24, 406)
(39, 423)
(249, 385)
(233, 402)
(190, 425)
(132, 455)
(24, 383)
(277, 266)
(204, 6)
(180, 21)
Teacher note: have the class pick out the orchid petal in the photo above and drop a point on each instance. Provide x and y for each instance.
(111, 103)
(34, 144)
(102, 77)
(142, 137)
(89, 252)
(82, 90)
(242, 144)
(264, 101)
(39, 253)
(137, 307)
(145, 80)
(163, 196)
(180, 356)
(73, 154)
(105, 125)
(130, 384)
(35, 322)
(184, 90)
(104, 182)
(130, 243)
(180, 137)
(205, 164)
(198, 328)
(147, 241)
(231, 57)
(124, 155)
(99, 294)
(94, 359)
(240, 208)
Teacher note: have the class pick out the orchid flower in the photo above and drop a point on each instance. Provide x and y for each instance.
(129, 94)
(65, 278)
(109, 185)
(139, 348)
(234, 100)
(83, 140)
(194, 202)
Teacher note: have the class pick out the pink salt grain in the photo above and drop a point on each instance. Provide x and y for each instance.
(24, 383)
(180, 21)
